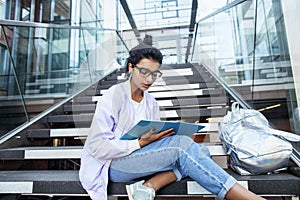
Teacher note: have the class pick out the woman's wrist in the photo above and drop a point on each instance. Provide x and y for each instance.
(142, 142)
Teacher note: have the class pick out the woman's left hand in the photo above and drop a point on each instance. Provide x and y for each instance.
(152, 136)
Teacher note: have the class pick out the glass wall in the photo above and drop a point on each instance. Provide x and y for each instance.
(53, 67)
(246, 47)
(50, 50)
(80, 12)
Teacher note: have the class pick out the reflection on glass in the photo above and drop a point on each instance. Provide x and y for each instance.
(247, 48)
(51, 64)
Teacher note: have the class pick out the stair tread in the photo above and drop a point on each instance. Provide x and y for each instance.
(70, 152)
(81, 132)
(188, 101)
(182, 94)
(164, 114)
(67, 182)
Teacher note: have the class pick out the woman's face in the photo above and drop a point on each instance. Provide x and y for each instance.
(144, 73)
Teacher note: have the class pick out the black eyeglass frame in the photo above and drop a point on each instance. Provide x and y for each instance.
(155, 74)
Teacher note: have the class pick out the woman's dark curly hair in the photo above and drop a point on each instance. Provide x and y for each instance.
(143, 51)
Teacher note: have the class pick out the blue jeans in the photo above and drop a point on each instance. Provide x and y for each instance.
(178, 153)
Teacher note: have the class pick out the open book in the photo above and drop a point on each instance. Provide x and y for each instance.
(143, 126)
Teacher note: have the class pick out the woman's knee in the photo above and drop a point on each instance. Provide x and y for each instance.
(186, 144)
(181, 141)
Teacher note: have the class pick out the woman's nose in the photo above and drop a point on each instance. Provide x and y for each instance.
(150, 78)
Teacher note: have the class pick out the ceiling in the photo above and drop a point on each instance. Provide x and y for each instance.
(166, 24)
(170, 24)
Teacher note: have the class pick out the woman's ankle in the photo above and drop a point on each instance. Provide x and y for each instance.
(238, 192)
(149, 185)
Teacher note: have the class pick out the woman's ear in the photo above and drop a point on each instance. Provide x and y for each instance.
(130, 67)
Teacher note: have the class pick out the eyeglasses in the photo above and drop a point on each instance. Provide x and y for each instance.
(144, 72)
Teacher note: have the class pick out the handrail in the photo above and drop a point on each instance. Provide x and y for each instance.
(118, 33)
(194, 43)
(254, 48)
(234, 94)
(44, 25)
(58, 26)
(220, 10)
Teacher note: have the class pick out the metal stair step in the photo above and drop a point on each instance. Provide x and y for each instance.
(80, 108)
(188, 93)
(66, 182)
(69, 152)
(41, 152)
(86, 118)
(182, 93)
(57, 133)
(192, 113)
(155, 88)
(41, 182)
(200, 102)
(83, 132)
(167, 81)
(174, 102)
(166, 73)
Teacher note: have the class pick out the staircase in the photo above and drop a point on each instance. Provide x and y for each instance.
(44, 159)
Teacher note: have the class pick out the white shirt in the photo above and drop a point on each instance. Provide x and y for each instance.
(140, 110)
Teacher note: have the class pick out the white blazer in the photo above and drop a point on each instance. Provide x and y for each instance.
(113, 117)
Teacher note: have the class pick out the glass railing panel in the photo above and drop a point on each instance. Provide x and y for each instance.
(246, 47)
(275, 77)
(103, 56)
(51, 63)
(130, 38)
(172, 42)
(12, 107)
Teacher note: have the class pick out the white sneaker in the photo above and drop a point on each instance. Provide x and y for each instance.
(137, 191)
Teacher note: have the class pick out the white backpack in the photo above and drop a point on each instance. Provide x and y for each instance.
(253, 146)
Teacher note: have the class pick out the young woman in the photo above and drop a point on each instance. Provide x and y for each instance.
(165, 156)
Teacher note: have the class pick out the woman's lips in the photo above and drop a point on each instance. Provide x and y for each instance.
(146, 86)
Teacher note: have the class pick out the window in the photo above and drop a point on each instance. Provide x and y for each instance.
(170, 8)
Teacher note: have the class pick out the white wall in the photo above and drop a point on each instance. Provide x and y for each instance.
(109, 14)
(1, 8)
(291, 19)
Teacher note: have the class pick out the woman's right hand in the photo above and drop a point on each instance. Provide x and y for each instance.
(152, 136)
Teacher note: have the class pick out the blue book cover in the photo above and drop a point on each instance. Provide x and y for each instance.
(143, 126)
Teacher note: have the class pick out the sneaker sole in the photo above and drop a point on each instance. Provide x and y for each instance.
(129, 192)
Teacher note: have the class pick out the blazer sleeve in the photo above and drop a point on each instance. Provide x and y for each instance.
(101, 142)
